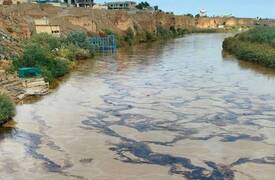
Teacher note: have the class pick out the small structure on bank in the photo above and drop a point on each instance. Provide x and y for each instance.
(28, 72)
(100, 6)
(29, 84)
(84, 3)
(121, 5)
(43, 26)
(35, 86)
(203, 13)
(32, 81)
(104, 43)
(65, 3)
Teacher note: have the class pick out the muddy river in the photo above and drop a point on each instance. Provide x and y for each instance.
(175, 110)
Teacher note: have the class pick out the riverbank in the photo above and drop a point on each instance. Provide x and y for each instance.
(55, 57)
(171, 101)
(256, 45)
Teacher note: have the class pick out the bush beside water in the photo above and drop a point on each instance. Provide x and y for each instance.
(54, 56)
(7, 108)
(130, 38)
(256, 45)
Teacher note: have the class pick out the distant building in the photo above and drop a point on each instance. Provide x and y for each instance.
(77, 3)
(121, 5)
(10, 2)
(100, 6)
(203, 13)
(43, 26)
(84, 3)
(52, 2)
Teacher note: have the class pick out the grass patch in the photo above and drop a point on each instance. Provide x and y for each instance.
(256, 45)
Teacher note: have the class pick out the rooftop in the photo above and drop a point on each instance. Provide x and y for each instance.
(121, 2)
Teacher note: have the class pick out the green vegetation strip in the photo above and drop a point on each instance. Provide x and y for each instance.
(256, 45)
(54, 56)
(7, 108)
(130, 38)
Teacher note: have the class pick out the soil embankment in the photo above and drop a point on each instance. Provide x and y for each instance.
(18, 20)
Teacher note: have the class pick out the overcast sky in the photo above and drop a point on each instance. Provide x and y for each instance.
(240, 8)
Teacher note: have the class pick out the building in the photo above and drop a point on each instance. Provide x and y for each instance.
(203, 13)
(76, 3)
(84, 3)
(121, 5)
(10, 2)
(52, 2)
(100, 6)
(43, 26)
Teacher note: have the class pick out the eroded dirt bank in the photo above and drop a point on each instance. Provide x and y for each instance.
(18, 20)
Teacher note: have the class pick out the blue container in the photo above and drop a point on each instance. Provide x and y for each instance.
(28, 72)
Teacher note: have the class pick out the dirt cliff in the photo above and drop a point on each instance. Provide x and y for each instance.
(18, 20)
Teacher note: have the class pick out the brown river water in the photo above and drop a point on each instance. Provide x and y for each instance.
(175, 110)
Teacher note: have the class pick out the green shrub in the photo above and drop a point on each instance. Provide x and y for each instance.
(53, 55)
(260, 53)
(208, 30)
(67, 52)
(80, 40)
(129, 37)
(182, 32)
(197, 16)
(71, 52)
(189, 15)
(172, 32)
(119, 39)
(7, 108)
(41, 57)
(44, 40)
(150, 36)
(259, 35)
(108, 31)
(143, 5)
(163, 33)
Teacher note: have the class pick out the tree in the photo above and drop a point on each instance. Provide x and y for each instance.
(143, 5)
(129, 37)
(156, 8)
(80, 39)
(45, 40)
(35, 55)
(198, 16)
(189, 15)
(146, 4)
